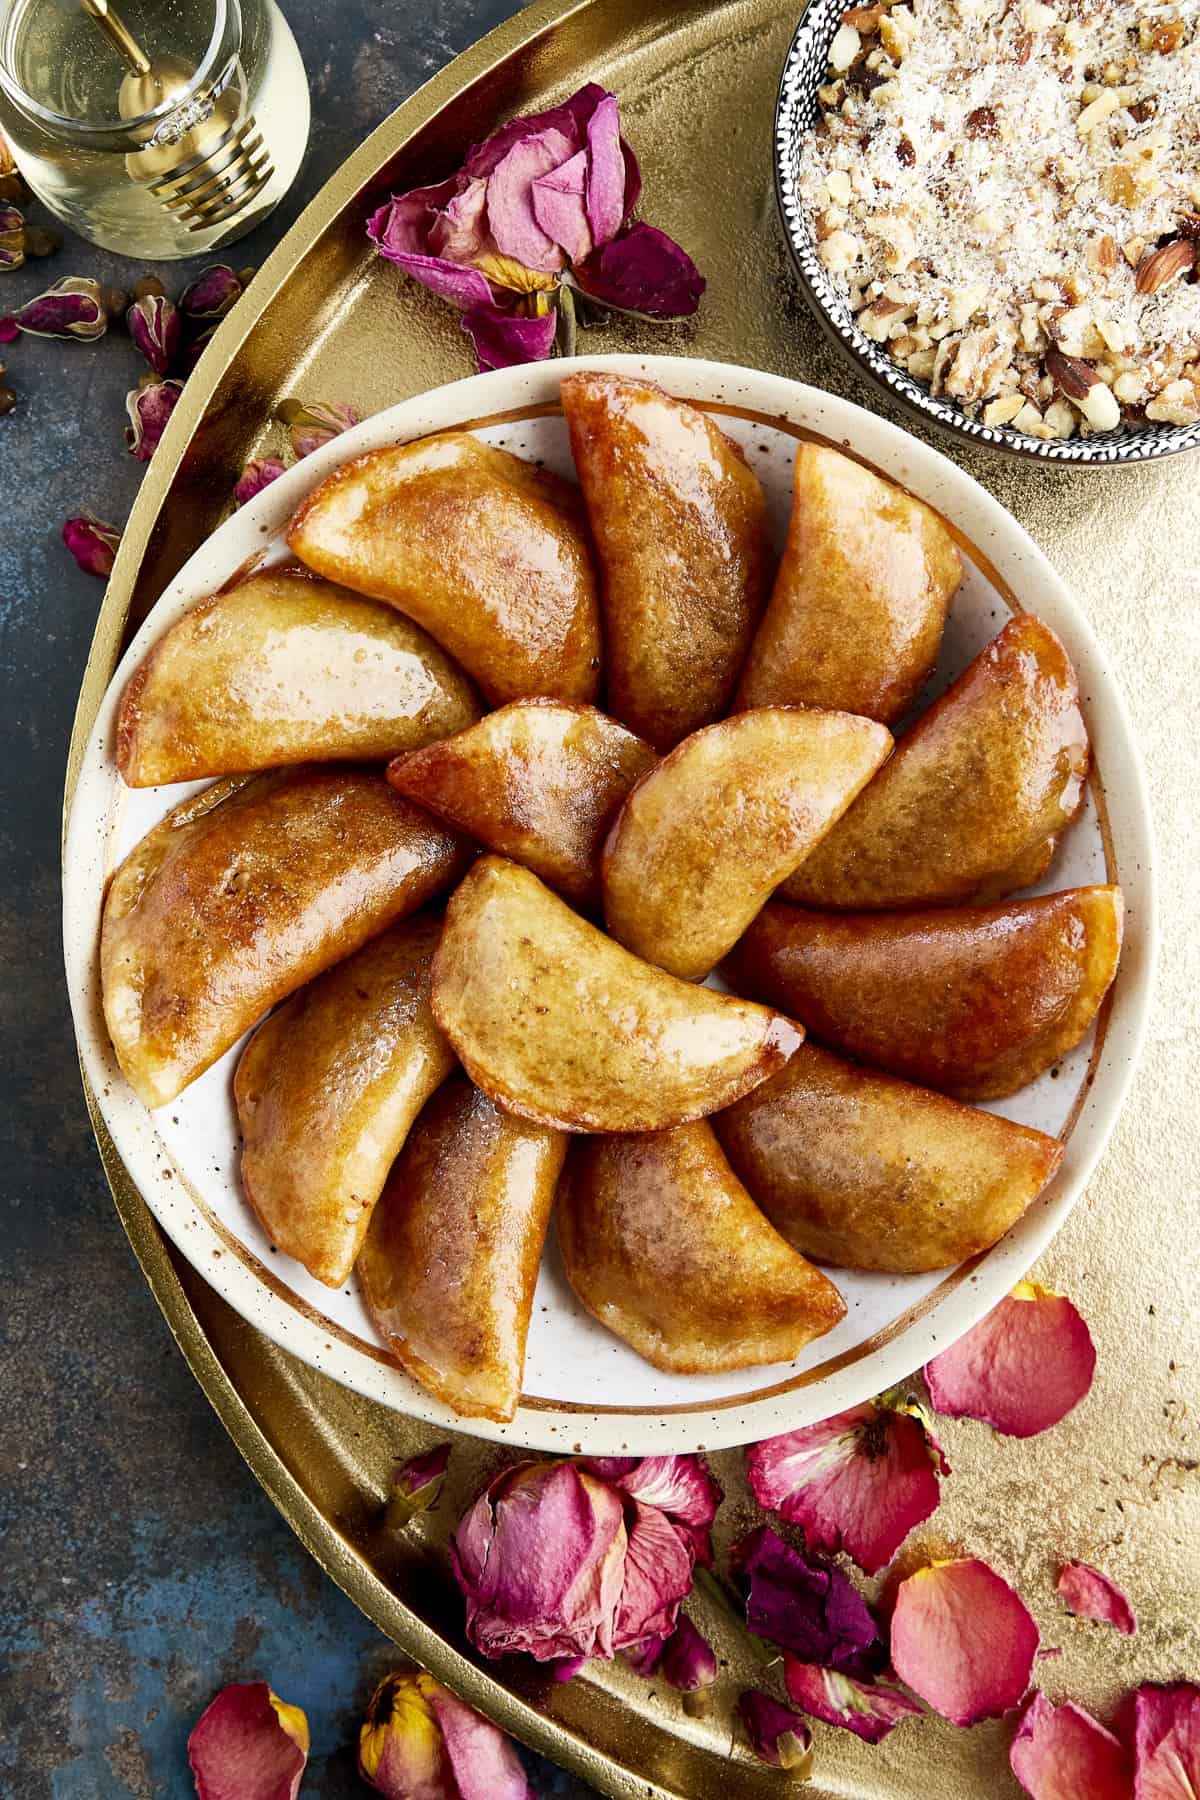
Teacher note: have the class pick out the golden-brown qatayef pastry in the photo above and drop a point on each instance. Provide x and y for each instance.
(680, 525)
(560, 1024)
(861, 1170)
(538, 781)
(285, 668)
(241, 895)
(484, 550)
(327, 1088)
(707, 836)
(855, 618)
(451, 1257)
(992, 770)
(974, 1000)
(665, 1247)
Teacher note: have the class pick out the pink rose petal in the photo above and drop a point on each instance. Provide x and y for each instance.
(689, 1662)
(963, 1640)
(240, 1749)
(858, 1482)
(541, 1558)
(1166, 1746)
(570, 119)
(485, 1762)
(559, 209)
(458, 230)
(510, 200)
(400, 231)
(1062, 1753)
(1021, 1369)
(681, 1486)
(870, 1709)
(657, 1576)
(605, 172)
(643, 271)
(502, 339)
(777, 1735)
(1089, 1594)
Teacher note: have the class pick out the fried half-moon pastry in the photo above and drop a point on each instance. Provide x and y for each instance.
(285, 668)
(706, 837)
(327, 1088)
(451, 1258)
(680, 525)
(974, 1000)
(559, 1024)
(538, 781)
(484, 550)
(974, 789)
(665, 1247)
(241, 895)
(867, 1172)
(855, 618)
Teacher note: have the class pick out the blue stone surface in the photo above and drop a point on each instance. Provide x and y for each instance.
(142, 1567)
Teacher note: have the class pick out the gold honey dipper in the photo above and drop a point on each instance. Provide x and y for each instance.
(201, 163)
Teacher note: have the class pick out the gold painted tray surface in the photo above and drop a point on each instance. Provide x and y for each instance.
(1119, 1482)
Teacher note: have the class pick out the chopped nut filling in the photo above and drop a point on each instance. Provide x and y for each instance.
(1008, 193)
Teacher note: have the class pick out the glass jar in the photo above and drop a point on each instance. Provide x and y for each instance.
(156, 128)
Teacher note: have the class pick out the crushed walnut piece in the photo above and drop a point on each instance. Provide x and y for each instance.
(1008, 193)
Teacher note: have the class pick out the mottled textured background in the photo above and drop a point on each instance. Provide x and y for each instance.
(142, 1565)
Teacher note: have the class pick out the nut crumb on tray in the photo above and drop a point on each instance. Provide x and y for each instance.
(1009, 194)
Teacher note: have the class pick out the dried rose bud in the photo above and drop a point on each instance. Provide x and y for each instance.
(7, 400)
(147, 287)
(73, 307)
(12, 238)
(195, 347)
(156, 328)
(416, 1484)
(255, 477)
(689, 1664)
(40, 241)
(9, 329)
(212, 293)
(149, 408)
(310, 426)
(92, 543)
(419, 1739)
(777, 1734)
(246, 276)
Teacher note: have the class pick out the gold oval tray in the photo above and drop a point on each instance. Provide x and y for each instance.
(323, 319)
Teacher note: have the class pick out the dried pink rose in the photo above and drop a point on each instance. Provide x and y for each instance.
(545, 192)
(806, 1605)
(870, 1709)
(248, 1745)
(858, 1482)
(644, 272)
(964, 1640)
(557, 1563)
(1062, 1753)
(1166, 1744)
(255, 476)
(211, 295)
(681, 1486)
(1021, 1369)
(92, 543)
(420, 1742)
(777, 1735)
(314, 423)
(1090, 1594)
(73, 308)
(154, 325)
(149, 408)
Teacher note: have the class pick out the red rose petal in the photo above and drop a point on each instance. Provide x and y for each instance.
(1166, 1748)
(1021, 1369)
(1089, 1594)
(239, 1749)
(1062, 1753)
(858, 1482)
(963, 1640)
(869, 1709)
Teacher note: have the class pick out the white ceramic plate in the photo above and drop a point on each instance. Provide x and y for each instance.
(583, 1388)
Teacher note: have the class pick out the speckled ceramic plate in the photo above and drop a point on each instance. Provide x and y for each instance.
(583, 1388)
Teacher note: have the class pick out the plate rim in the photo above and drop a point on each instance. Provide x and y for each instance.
(543, 1424)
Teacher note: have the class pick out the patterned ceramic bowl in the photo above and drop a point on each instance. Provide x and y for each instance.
(796, 110)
